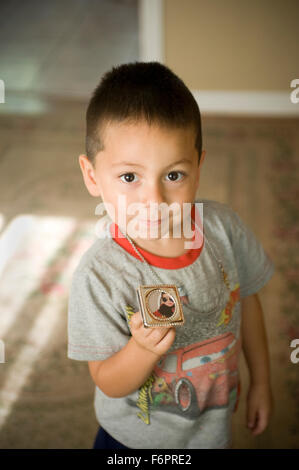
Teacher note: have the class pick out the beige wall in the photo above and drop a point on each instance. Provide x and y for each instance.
(233, 44)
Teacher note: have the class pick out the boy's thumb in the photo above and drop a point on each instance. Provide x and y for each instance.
(251, 420)
(134, 319)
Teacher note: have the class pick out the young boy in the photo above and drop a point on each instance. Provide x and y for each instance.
(164, 387)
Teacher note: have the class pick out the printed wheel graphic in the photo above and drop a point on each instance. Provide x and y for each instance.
(185, 397)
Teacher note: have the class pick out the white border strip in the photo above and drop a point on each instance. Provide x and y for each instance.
(246, 102)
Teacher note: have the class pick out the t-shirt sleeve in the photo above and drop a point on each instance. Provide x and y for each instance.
(96, 330)
(255, 268)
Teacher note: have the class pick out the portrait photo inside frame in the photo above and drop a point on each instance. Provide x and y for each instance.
(160, 305)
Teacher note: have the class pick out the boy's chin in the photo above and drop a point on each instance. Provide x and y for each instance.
(146, 234)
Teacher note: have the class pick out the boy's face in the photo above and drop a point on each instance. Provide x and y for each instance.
(145, 165)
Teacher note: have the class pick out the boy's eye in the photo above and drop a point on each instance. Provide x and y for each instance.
(128, 177)
(172, 176)
(175, 175)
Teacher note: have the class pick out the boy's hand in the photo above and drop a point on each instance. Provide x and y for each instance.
(157, 340)
(259, 408)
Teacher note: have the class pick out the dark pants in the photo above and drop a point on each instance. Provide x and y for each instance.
(103, 440)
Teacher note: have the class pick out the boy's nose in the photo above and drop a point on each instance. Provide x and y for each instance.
(153, 193)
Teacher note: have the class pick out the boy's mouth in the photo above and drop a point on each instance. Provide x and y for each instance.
(150, 222)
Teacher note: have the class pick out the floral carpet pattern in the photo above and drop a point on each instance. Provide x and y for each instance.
(48, 222)
(285, 184)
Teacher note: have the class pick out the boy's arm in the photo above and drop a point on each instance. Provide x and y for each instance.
(255, 348)
(128, 369)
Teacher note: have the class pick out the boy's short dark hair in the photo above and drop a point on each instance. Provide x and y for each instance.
(140, 91)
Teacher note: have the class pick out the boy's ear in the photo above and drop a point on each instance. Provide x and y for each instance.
(89, 176)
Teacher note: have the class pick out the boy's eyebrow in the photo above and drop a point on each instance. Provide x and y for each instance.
(183, 160)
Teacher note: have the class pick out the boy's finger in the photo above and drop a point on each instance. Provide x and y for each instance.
(136, 320)
(137, 323)
(164, 332)
(167, 338)
(261, 424)
(159, 332)
(251, 419)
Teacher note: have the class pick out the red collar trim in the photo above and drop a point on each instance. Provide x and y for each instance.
(159, 261)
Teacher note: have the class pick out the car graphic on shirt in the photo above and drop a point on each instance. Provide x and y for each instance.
(198, 377)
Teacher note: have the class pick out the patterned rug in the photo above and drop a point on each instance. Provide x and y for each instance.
(47, 222)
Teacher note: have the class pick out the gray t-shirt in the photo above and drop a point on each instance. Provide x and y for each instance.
(189, 399)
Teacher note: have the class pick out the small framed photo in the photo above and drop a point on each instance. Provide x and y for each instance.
(160, 305)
